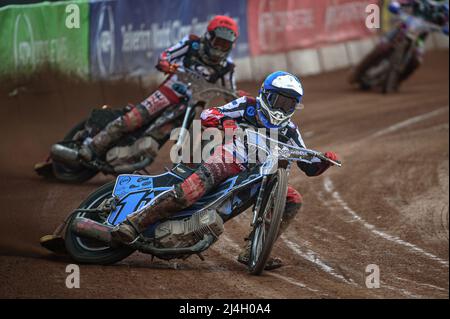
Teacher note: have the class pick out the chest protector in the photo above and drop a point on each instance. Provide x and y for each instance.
(193, 61)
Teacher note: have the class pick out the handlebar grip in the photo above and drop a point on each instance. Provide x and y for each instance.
(324, 158)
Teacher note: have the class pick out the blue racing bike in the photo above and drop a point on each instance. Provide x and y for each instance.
(192, 231)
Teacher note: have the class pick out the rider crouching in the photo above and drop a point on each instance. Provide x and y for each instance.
(279, 95)
(208, 56)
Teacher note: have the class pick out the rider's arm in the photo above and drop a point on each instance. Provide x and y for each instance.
(173, 53)
(314, 166)
(215, 116)
(230, 79)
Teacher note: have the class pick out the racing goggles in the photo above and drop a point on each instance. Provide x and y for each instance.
(222, 39)
(279, 102)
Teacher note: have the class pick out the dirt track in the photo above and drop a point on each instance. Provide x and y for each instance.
(388, 205)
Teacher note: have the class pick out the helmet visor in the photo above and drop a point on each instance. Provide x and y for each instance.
(282, 103)
(221, 44)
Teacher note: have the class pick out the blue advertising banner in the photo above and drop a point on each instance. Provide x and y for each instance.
(127, 36)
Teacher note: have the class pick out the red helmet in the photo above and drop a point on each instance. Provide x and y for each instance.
(223, 22)
(221, 34)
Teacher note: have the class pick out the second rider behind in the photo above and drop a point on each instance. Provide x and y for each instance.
(207, 55)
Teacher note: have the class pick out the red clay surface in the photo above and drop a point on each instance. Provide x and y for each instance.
(388, 204)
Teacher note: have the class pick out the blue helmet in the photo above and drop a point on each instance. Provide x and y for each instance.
(278, 97)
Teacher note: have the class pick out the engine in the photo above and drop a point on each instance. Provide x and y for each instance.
(187, 232)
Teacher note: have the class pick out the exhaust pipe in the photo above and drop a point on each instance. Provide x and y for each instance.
(63, 153)
(88, 228)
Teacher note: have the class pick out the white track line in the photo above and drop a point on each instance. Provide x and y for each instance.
(422, 284)
(314, 258)
(401, 290)
(292, 281)
(329, 187)
(309, 255)
(233, 245)
(410, 121)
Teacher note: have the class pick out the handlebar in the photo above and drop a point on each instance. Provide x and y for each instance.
(202, 90)
(284, 151)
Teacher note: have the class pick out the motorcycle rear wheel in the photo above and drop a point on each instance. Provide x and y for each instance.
(89, 251)
(266, 230)
(68, 173)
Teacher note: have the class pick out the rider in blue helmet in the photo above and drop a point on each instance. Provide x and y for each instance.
(279, 95)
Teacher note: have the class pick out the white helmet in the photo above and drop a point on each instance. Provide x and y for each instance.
(278, 97)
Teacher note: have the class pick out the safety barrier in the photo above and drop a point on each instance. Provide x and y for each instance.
(118, 38)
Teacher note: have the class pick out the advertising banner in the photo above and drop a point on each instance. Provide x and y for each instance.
(32, 35)
(126, 37)
(283, 25)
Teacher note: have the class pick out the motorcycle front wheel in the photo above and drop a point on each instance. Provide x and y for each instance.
(266, 229)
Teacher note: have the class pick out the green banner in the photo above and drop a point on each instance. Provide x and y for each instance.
(56, 34)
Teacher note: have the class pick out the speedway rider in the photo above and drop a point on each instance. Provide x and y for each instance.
(207, 55)
(435, 12)
(278, 97)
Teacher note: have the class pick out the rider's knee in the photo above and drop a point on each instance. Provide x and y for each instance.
(135, 119)
(168, 90)
(117, 127)
(294, 202)
(293, 196)
(191, 189)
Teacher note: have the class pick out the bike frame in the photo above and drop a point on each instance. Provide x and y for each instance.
(132, 192)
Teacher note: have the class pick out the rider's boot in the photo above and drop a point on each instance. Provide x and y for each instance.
(99, 144)
(162, 207)
(273, 262)
(55, 242)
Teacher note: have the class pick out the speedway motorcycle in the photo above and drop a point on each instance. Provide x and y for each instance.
(384, 70)
(133, 152)
(192, 231)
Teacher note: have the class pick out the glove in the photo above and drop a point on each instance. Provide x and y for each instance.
(332, 156)
(166, 67)
(242, 93)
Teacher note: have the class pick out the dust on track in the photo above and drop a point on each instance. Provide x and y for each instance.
(388, 204)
